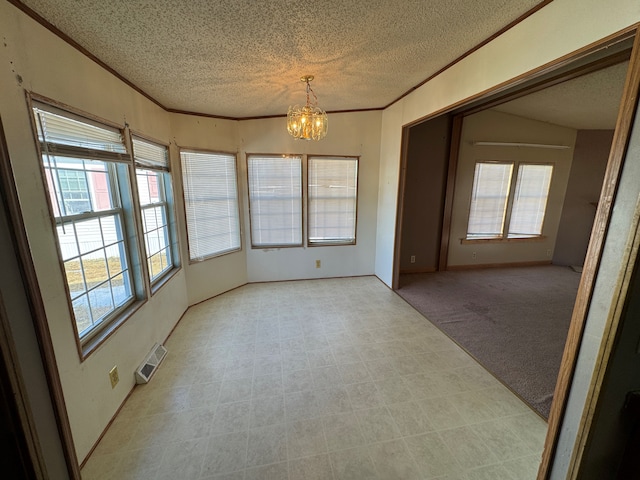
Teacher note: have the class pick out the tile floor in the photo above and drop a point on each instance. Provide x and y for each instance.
(322, 379)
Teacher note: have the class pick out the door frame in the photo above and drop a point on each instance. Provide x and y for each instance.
(562, 69)
(39, 318)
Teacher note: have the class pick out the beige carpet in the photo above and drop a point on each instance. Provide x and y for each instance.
(514, 321)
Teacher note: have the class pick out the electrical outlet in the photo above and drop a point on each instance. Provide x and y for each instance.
(413, 259)
(113, 376)
(473, 255)
(317, 263)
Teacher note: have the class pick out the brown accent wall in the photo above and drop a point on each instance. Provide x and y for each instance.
(583, 191)
(427, 160)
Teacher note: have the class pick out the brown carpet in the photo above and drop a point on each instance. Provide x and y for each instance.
(514, 321)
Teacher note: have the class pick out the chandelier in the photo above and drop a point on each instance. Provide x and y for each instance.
(309, 122)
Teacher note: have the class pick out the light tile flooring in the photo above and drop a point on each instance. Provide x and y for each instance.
(321, 379)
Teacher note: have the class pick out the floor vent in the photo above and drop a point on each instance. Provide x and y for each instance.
(150, 364)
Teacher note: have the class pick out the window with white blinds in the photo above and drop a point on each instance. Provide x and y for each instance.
(530, 200)
(155, 194)
(85, 168)
(492, 199)
(332, 200)
(275, 200)
(211, 203)
(491, 183)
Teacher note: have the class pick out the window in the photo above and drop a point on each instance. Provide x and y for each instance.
(275, 200)
(211, 203)
(530, 200)
(155, 194)
(491, 183)
(332, 192)
(86, 170)
(491, 200)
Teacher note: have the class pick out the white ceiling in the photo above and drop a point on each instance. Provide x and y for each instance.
(244, 58)
(589, 102)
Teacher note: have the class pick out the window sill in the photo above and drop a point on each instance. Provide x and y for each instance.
(475, 241)
(331, 244)
(213, 255)
(162, 281)
(86, 348)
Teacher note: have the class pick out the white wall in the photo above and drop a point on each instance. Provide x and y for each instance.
(349, 134)
(33, 59)
(559, 28)
(495, 126)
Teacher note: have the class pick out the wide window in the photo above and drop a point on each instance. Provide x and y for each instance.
(332, 194)
(211, 203)
(156, 201)
(86, 171)
(275, 200)
(495, 209)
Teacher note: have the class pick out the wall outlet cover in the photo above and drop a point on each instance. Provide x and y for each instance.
(113, 376)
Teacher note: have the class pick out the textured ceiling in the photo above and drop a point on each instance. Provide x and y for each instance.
(244, 58)
(589, 102)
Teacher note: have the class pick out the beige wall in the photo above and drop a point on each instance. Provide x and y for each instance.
(501, 127)
(33, 59)
(558, 29)
(424, 189)
(352, 134)
(561, 27)
(583, 192)
(216, 275)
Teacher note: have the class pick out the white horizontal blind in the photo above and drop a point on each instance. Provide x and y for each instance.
(489, 199)
(66, 130)
(150, 155)
(211, 203)
(332, 195)
(275, 200)
(530, 200)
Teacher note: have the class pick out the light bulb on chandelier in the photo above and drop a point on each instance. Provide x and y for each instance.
(309, 122)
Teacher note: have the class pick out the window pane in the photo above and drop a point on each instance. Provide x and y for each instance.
(489, 200)
(211, 203)
(153, 181)
(530, 200)
(75, 279)
(275, 200)
(332, 200)
(78, 186)
(149, 186)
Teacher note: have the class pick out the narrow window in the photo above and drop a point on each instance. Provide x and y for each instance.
(211, 203)
(155, 194)
(530, 200)
(332, 193)
(489, 197)
(86, 172)
(275, 200)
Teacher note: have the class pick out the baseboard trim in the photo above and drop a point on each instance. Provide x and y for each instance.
(498, 265)
(418, 270)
